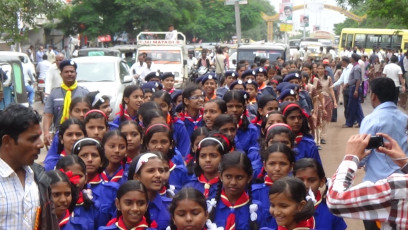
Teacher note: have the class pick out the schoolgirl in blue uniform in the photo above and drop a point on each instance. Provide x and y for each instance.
(187, 203)
(96, 124)
(208, 157)
(192, 115)
(115, 145)
(69, 132)
(291, 192)
(163, 99)
(296, 118)
(77, 109)
(132, 99)
(312, 174)
(156, 116)
(266, 104)
(233, 207)
(198, 134)
(227, 125)
(133, 133)
(85, 214)
(252, 92)
(278, 160)
(131, 202)
(148, 168)
(62, 193)
(247, 133)
(269, 119)
(91, 152)
(101, 102)
(158, 137)
(212, 109)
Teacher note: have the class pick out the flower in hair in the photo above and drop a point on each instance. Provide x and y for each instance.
(212, 226)
(73, 179)
(311, 196)
(211, 204)
(252, 211)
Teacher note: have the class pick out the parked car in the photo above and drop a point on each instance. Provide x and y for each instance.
(109, 75)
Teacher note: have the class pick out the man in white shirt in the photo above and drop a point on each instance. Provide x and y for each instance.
(22, 196)
(150, 67)
(172, 34)
(42, 67)
(296, 54)
(343, 80)
(138, 68)
(394, 71)
(53, 77)
(51, 54)
(28, 71)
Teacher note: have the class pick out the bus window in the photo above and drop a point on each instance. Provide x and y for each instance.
(360, 41)
(396, 42)
(373, 40)
(385, 41)
(349, 40)
(343, 40)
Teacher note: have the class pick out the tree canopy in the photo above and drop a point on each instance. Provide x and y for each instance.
(209, 20)
(381, 14)
(28, 11)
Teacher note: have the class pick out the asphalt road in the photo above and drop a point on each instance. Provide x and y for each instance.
(331, 154)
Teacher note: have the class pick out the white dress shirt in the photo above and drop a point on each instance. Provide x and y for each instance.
(18, 204)
(344, 76)
(53, 79)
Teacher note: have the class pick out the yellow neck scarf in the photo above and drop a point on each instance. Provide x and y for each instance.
(67, 100)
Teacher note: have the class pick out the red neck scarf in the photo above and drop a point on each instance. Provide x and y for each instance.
(96, 180)
(169, 120)
(304, 224)
(261, 173)
(257, 121)
(171, 91)
(172, 166)
(240, 122)
(64, 220)
(163, 191)
(318, 197)
(207, 184)
(139, 226)
(80, 200)
(268, 181)
(184, 116)
(116, 178)
(298, 138)
(63, 153)
(242, 200)
(189, 158)
(261, 87)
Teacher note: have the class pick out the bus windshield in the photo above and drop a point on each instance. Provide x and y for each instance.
(164, 56)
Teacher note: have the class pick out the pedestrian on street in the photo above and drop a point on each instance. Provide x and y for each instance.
(39, 55)
(394, 71)
(56, 109)
(354, 110)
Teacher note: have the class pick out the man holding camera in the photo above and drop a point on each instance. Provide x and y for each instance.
(382, 204)
(385, 118)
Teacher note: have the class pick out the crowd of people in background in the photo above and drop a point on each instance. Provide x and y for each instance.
(234, 149)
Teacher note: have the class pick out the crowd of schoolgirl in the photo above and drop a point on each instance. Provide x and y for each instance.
(231, 153)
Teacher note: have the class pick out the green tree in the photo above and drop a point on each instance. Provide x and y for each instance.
(372, 21)
(391, 11)
(28, 11)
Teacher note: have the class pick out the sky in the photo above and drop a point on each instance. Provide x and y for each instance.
(325, 18)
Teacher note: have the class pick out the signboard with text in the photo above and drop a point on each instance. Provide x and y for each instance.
(232, 2)
(160, 42)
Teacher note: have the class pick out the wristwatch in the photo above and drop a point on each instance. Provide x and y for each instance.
(404, 169)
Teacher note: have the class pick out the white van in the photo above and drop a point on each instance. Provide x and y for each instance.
(167, 55)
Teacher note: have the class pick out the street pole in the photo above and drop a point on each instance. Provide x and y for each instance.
(238, 21)
(304, 25)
